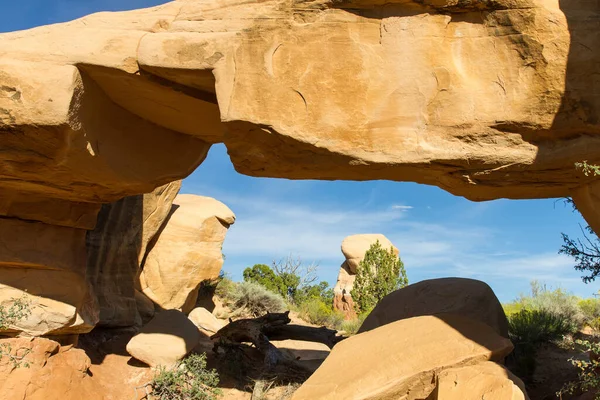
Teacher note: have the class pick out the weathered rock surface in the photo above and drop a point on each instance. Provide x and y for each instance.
(487, 380)
(46, 263)
(51, 373)
(117, 246)
(187, 251)
(467, 96)
(166, 339)
(467, 297)
(401, 360)
(354, 248)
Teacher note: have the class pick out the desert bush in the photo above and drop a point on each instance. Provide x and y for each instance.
(291, 279)
(188, 380)
(590, 308)
(250, 298)
(556, 302)
(379, 273)
(317, 312)
(350, 327)
(588, 371)
(534, 327)
(528, 330)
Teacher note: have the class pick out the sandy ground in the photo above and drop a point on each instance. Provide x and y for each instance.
(120, 375)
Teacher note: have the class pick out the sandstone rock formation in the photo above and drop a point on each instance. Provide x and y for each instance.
(166, 339)
(467, 297)
(187, 251)
(483, 99)
(46, 264)
(487, 381)
(354, 248)
(401, 360)
(117, 247)
(463, 95)
(50, 373)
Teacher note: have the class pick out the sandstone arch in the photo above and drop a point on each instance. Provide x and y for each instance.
(485, 99)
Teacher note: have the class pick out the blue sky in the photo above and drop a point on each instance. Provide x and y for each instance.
(505, 243)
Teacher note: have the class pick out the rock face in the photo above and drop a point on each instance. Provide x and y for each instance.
(354, 248)
(117, 246)
(467, 96)
(467, 297)
(46, 264)
(487, 381)
(463, 95)
(401, 360)
(187, 251)
(52, 373)
(166, 339)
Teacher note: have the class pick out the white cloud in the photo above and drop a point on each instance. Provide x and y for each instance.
(401, 207)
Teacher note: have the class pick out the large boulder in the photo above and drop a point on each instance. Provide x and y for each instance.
(44, 371)
(401, 360)
(186, 252)
(487, 380)
(467, 297)
(117, 246)
(166, 339)
(354, 248)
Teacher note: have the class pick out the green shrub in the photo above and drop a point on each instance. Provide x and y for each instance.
(317, 312)
(188, 380)
(251, 298)
(379, 273)
(590, 308)
(350, 327)
(556, 302)
(528, 330)
(536, 327)
(589, 371)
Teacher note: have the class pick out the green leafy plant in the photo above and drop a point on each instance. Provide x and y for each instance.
(528, 330)
(589, 371)
(379, 273)
(187, 380)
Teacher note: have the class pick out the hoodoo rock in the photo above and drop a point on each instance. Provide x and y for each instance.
(354, 248)
(401, 360)
(186, 252)
(467, 297)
